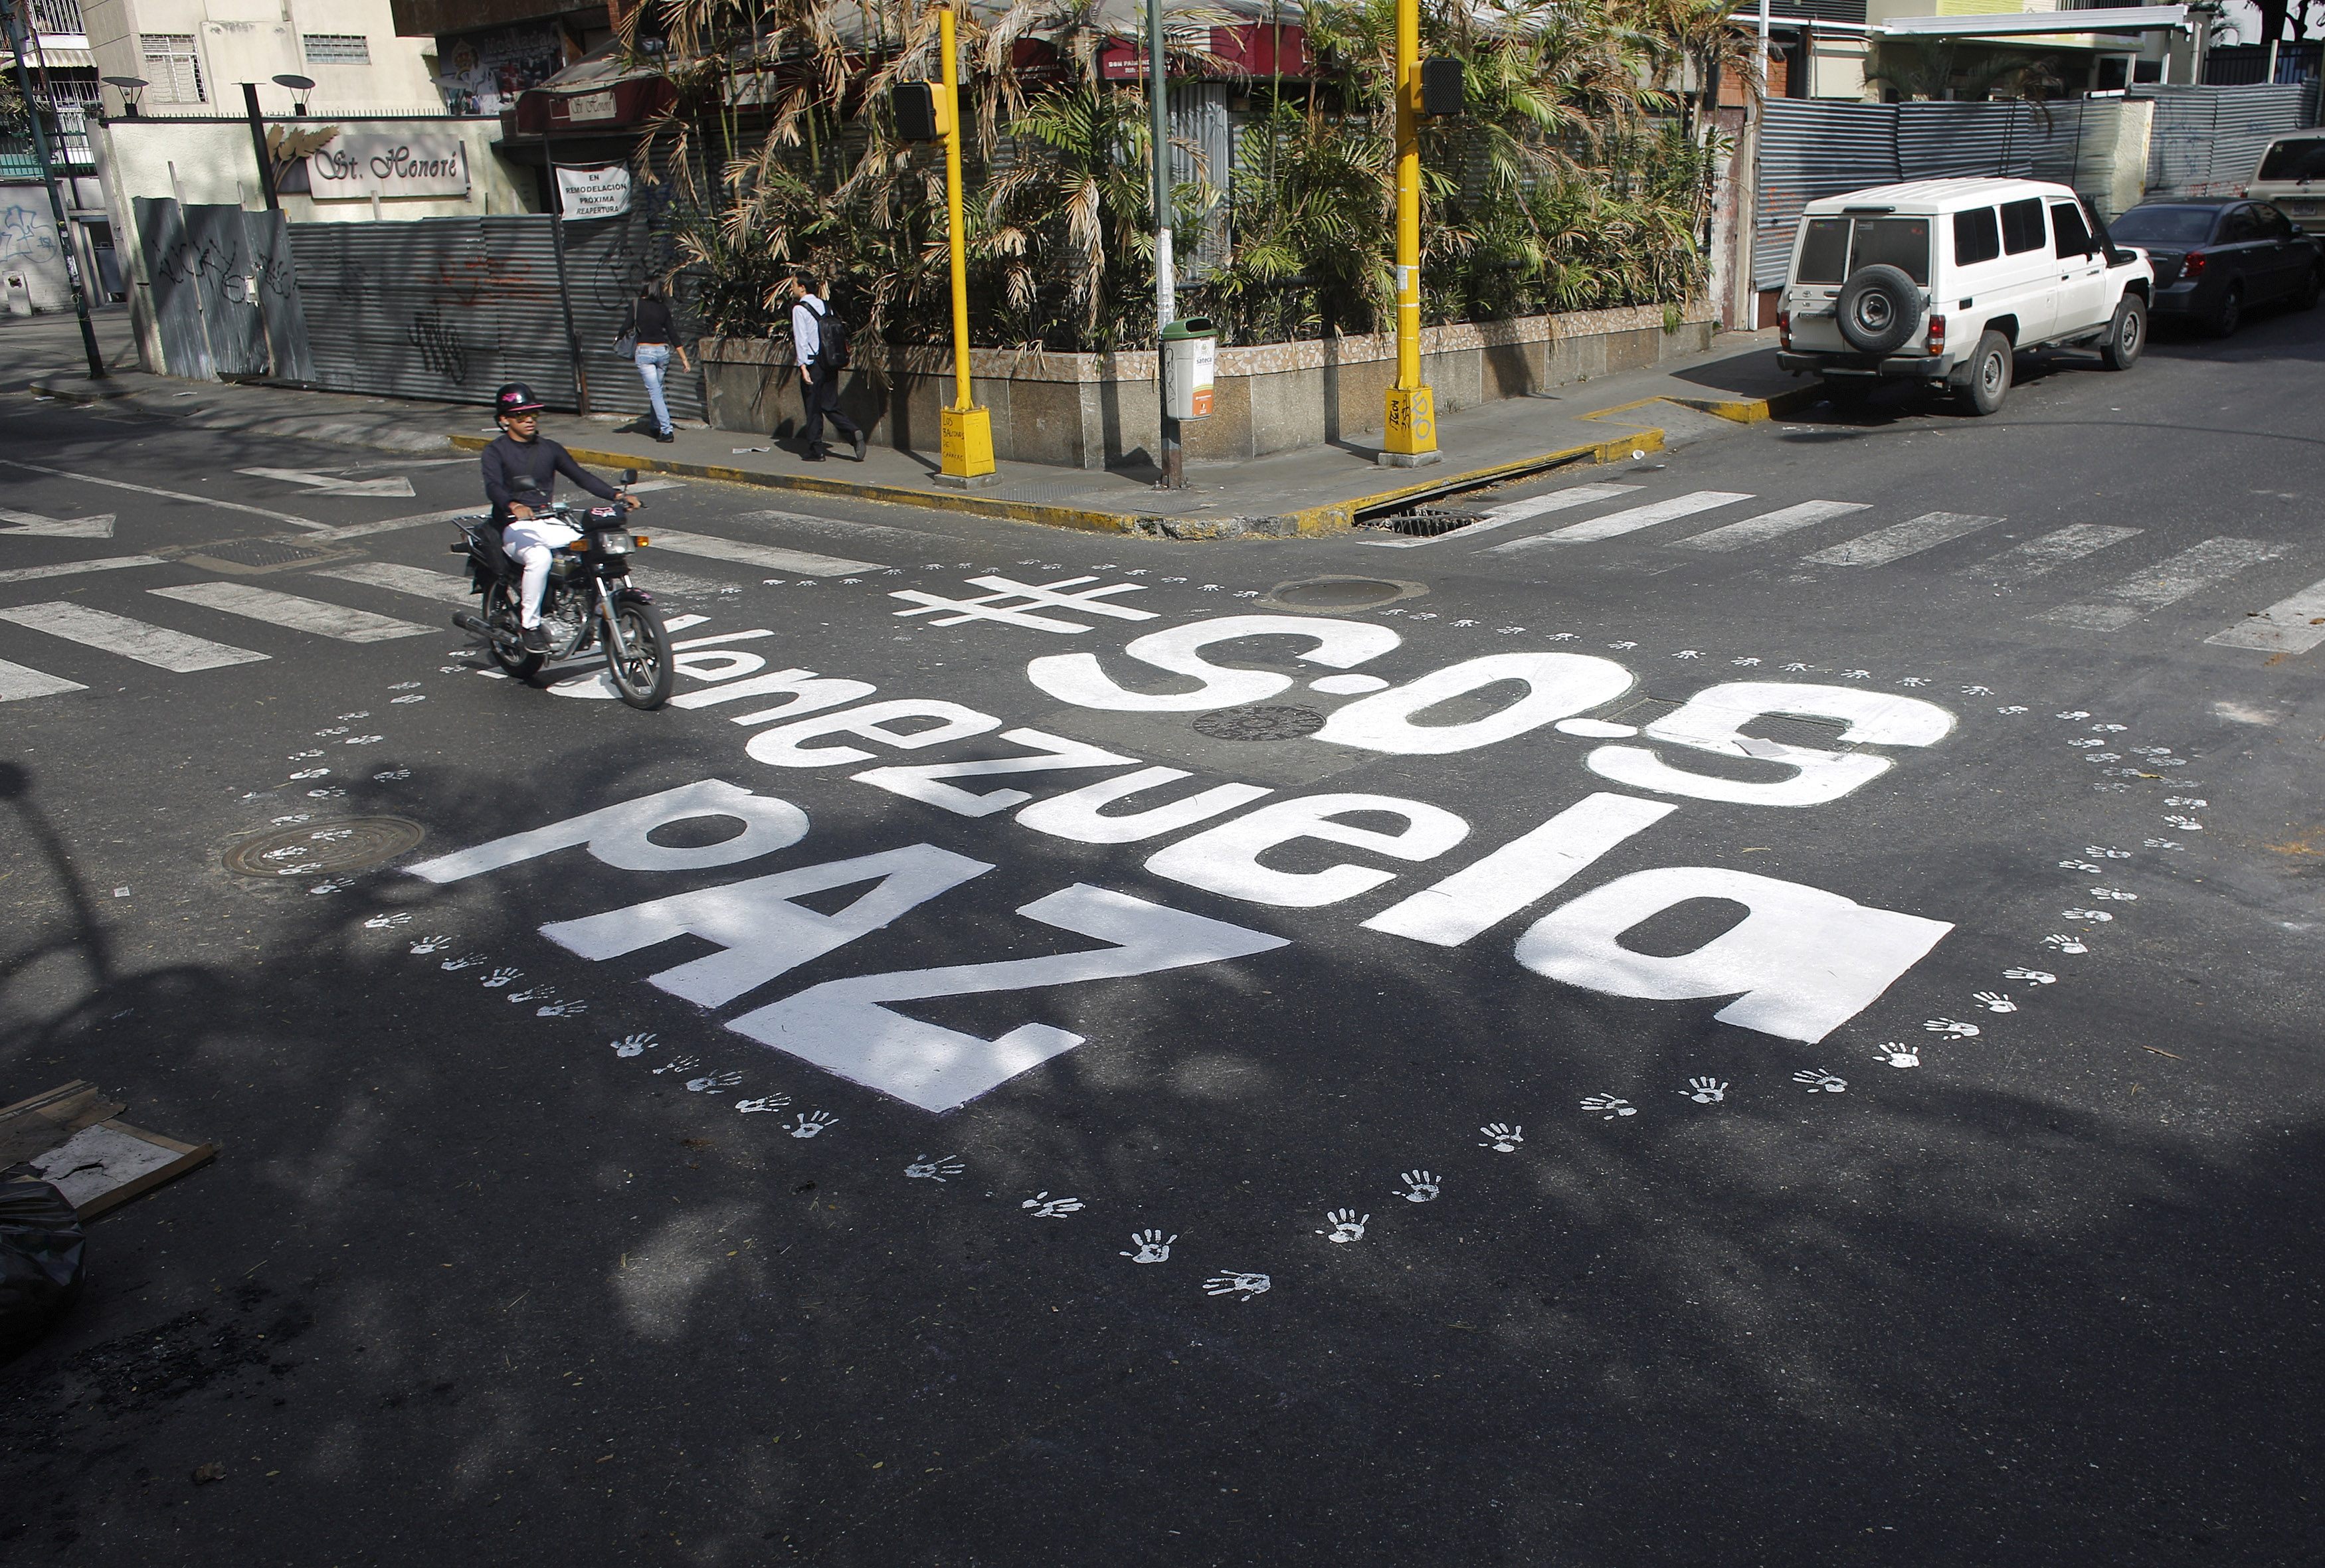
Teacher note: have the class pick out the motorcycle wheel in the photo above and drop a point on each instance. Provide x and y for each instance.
(643, 679)
(503, 641)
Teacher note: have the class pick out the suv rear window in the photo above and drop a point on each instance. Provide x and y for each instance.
(1833, 247)
(2021, 225)
(2303, 159)
(1976, 237)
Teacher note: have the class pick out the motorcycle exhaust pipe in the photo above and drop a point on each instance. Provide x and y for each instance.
(470, 624)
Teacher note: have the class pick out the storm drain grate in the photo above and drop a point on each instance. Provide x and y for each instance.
(264, 552)
(1425, 522)
(351, 843)
(1260, 722)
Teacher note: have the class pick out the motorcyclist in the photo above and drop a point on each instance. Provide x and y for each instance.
(529, 537)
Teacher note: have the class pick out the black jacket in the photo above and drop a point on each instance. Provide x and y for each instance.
(544, 460)
(650, 320)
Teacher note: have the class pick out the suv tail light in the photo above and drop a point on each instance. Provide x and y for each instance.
(1937, 334)
(2192, 265)
(1784, 329)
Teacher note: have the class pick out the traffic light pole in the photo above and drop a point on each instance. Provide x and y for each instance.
(966, 431)
(13, 11)
(1410, 438)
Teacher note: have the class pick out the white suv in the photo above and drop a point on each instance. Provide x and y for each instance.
(1941, 280)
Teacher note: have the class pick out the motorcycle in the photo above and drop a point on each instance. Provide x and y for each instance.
(588, 601)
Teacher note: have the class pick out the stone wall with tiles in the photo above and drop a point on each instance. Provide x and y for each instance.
(1097, 410)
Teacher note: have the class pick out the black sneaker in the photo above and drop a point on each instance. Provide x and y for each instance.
(815, 456)
(863, 443)
(536, 639)
(665, 436)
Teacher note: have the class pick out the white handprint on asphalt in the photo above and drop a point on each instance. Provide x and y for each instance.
(679, 1065)
(388, 922)
(2102, 852)
(2077, 865)
(1898, 1054)
(1820, 1082)
(1243, 1287)
(436, 944)
(2064, 944)
(1946, 1025)
(2101, 916)
(1420, 1186)
(2185, 800)
(1610, 1106)
(633, 1046)
(561, 1010)
(1705, 1090)
(810, 1123)
(2184, 824)
(2032, 976)
(710, 1081)
(1501, 1137)
(465, 961)
(1045, 1207)
(764, 1102)
(942, 1167)
(1345, 1225)
(1994, 1001)
(532, 993)
(1149, 1247)
(2117, 894)
(500, 977)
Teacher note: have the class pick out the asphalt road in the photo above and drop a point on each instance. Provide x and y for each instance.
(1805, 1057)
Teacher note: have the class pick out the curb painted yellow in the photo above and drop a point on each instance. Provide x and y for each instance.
(1340, 515)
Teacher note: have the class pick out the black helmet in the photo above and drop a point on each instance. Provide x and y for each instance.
(516, 397)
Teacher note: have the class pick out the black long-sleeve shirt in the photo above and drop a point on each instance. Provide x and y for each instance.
(543, 460)
(650, 319)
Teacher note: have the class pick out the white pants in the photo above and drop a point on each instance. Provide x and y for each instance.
(531, 542)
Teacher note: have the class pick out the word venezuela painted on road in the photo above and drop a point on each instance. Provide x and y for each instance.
(1799, 963)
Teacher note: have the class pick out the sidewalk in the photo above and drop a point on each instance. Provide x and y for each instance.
(1314, 490)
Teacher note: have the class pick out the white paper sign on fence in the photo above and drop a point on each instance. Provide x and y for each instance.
(389, 166)
(594, 192)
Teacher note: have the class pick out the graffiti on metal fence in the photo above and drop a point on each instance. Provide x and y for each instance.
(442, 352)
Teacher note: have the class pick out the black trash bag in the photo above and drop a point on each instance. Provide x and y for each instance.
(40, 1262)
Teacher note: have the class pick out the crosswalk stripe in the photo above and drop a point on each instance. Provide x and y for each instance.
(1631, 519)
(2050, 552)
(1511, 512)
(2293, 625)
(756, 555)
(17, 683)
(75, 568)
(2165, 583)
(290, 610)
(1768, 525)
(417, 581)
(1895, 543)
(296, 521)
(110, 633)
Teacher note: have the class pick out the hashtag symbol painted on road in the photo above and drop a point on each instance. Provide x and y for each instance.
(1015, 603)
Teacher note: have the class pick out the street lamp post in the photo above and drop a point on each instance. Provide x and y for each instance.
(13, 10)
(1411, 437)
(966, 431)
(1166, 304)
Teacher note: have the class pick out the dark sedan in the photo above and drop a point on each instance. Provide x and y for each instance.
(2215, 260)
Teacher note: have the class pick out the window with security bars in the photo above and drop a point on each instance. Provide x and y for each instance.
(338, 49)
(173, 71)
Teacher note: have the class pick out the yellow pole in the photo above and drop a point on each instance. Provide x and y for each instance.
(965, 429)
(1411, 437)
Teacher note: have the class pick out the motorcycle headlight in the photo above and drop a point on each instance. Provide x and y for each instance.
(613, 542)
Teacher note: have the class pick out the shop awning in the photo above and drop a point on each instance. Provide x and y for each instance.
(2019, 24)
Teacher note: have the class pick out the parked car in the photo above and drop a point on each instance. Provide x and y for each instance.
(2292, 175)
(1943, 282)
(2215, 260)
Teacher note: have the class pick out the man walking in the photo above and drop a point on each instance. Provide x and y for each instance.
(819, 342)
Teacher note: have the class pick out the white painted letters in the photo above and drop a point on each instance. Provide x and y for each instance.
(617, 834)
(1052, 754)
(1079, 816)
(1711, 720)
(1480, 896)
(1558, 685)
(1079, 678)
(1226, 859)
(781, 747)
(805, 692)
(1800, 964)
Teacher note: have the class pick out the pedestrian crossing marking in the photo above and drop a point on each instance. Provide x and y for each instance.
(1895, 543)
(1630, 520)
(417, 581)
(334, 620)
(110, 633)
(17, 683)
(1511, 512)
(1768, 525)
(802, 562)
(75, 568)
(2050, 552)
(2165, 583)
(2288, 626)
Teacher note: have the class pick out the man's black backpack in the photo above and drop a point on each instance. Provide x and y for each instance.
(832, 354)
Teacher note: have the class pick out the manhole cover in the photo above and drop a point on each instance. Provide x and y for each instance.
(1338, 592)
(263, 552)
(351, 843)
(1260, 723)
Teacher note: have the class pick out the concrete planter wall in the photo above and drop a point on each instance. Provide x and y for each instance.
(1093, 410)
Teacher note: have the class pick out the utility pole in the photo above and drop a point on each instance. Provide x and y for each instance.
(965, 430)
(1410, 440)
(13, 12)
(1166, 304)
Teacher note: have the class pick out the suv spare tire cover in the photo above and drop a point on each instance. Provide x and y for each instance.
(1879, 307)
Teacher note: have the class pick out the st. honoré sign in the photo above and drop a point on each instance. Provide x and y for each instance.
(370, 164)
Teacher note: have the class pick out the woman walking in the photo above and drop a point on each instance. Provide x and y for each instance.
(653, 332)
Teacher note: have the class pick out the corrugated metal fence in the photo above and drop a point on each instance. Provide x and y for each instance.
(452, 308)
(2204, 138)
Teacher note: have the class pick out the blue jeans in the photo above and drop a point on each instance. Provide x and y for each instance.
(651, 357)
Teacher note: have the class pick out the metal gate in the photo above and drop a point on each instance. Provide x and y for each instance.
(225, 295)
(2207, 140)
(452, 308)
